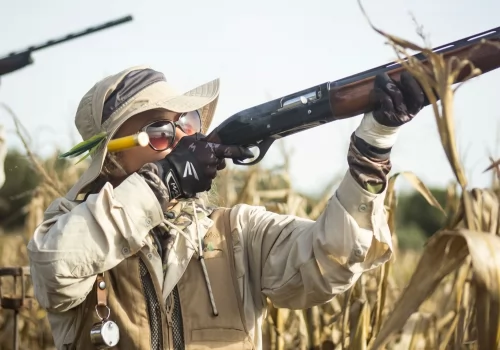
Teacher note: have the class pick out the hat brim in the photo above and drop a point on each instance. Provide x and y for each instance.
(203, 98)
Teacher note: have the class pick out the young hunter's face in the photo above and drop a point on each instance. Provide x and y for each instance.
(134, 158)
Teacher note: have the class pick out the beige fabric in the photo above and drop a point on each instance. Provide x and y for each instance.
(129, 310)
(203, 330)
(158, 95)
(297, 263)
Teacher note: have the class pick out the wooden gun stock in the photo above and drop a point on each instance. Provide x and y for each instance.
(350, 97)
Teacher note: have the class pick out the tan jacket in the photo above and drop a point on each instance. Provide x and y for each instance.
(295, 262)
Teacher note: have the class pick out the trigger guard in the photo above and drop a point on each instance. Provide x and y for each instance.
(263, 148)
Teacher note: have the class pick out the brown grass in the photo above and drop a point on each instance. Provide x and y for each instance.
(443, 298)
(466, 247)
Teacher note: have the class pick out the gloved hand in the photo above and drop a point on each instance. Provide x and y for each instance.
(396, 103)
(193, 164)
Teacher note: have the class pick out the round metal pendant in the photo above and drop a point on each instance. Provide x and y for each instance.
(105, 335)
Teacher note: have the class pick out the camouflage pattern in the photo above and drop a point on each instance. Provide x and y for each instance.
(397, 103)
(151, 174)
(370, 172)
(181, 214)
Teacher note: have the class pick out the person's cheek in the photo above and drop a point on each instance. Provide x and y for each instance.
(179, 134)
(135, 158)
(161, 155)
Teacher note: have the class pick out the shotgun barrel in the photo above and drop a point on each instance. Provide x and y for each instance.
(20, 59)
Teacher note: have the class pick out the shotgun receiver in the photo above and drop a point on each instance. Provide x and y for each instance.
(17, 60)
(261, 125)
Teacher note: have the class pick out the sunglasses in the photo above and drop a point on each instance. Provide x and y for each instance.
(162, 132)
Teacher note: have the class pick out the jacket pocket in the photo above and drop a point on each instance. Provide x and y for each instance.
(220, 338)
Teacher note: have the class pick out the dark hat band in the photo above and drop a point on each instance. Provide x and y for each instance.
(130, 85)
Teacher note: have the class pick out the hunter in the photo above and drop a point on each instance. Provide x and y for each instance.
(137, 242)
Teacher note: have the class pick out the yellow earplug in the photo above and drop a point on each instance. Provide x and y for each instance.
(116, 145)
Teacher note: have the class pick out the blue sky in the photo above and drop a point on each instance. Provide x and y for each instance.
(260, 50)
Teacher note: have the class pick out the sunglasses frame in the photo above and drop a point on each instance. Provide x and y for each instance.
(175, 125)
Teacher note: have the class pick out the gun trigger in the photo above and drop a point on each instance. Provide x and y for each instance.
(263, 148)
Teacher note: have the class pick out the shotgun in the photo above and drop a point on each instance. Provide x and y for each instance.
(259, 126)
(17, 60)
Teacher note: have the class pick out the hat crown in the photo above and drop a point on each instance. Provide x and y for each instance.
(91, 109)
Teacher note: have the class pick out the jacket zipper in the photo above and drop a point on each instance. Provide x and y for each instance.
(170, 310)
(148, 283)
(176, 323)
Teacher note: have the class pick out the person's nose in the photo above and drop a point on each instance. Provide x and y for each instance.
(179, 134)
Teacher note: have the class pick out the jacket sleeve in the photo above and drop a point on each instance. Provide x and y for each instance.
(77, 241)
(300, 263)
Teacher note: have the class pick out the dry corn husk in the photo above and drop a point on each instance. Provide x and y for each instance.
(467, 246)
(442, 298)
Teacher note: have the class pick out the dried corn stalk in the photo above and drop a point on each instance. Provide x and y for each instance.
(468, 245)
(453, 305)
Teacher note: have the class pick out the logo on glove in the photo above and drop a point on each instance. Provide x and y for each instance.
(173, 186)
(189, 170)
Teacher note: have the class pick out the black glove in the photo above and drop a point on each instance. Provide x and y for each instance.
(193, 164)
(397, 103)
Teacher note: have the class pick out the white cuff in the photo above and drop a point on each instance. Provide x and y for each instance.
(376, 134)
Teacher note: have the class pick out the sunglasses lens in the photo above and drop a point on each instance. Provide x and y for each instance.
(161, 135)
(190, 123)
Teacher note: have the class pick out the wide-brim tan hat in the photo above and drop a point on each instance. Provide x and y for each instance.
(116, 98)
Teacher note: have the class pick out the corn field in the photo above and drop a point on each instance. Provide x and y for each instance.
(446, 297)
